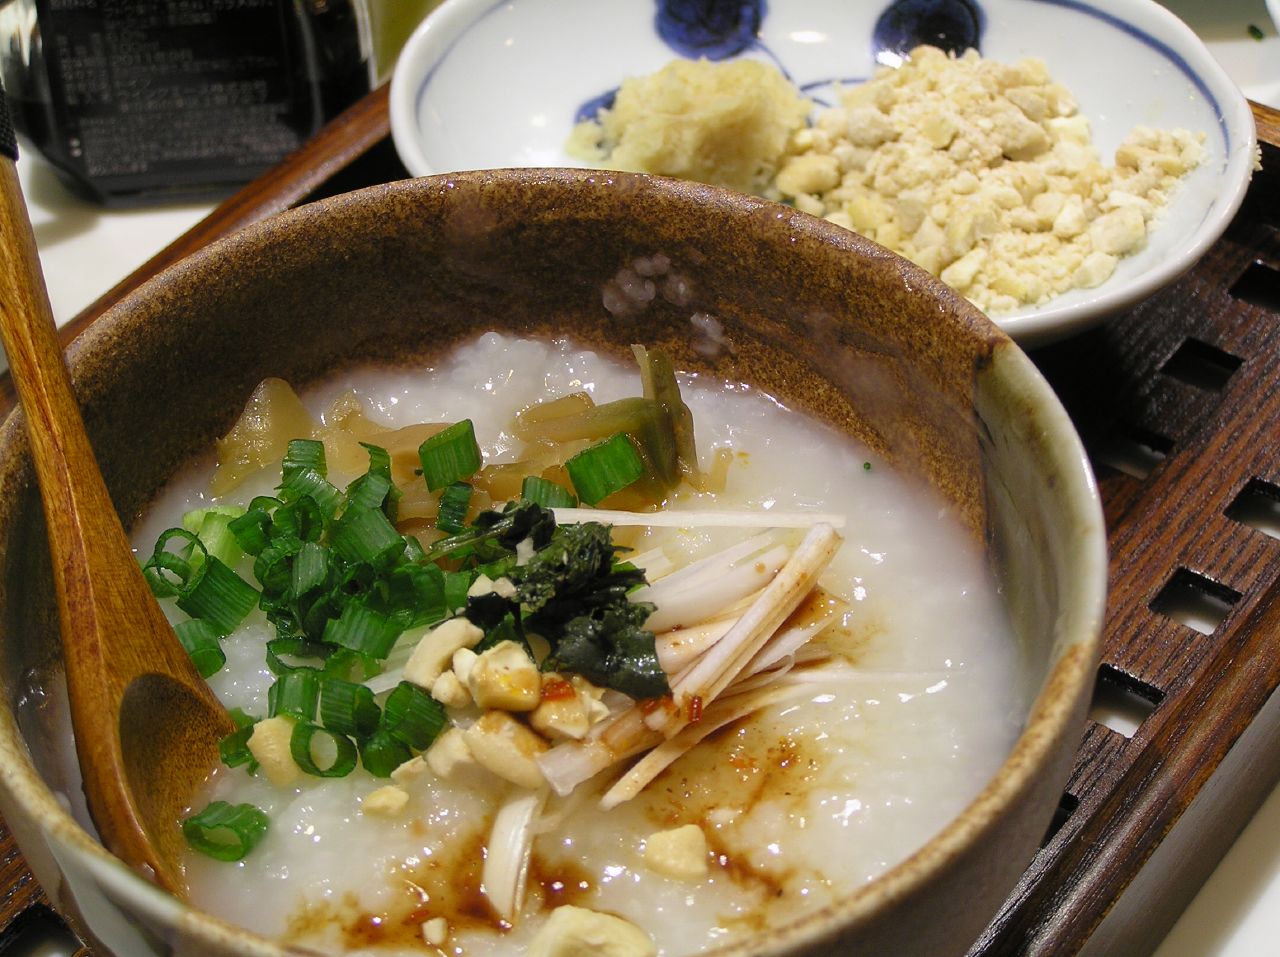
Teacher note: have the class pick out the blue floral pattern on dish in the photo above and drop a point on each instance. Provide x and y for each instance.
(722, 29)
(951, 25)
(715, 29)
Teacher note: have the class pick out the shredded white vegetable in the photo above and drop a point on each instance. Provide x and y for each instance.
(727, 658)
(678, 518)
(679, 646)
(708, 566)
(690, 602)
(507, 855)
(787, 643)
(655, 563)
(723, 712)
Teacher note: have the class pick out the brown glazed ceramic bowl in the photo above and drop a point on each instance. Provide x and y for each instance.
(839, 327)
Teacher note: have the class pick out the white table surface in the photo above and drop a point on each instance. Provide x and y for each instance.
(85, 251)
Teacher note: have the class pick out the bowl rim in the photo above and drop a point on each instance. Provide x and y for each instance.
(1070, 670)
(1146, 20)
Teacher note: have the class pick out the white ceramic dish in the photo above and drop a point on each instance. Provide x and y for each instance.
(493, 83)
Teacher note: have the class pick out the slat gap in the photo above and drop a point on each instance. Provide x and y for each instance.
(1201, 365)
(1132, 450)
(1257, 505)
(1259, 285)
(39, 932)
(1121, 701)
(1195, 600)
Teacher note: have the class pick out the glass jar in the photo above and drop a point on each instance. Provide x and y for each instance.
(136, 101)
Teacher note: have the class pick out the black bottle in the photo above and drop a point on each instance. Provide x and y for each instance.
(137, 101)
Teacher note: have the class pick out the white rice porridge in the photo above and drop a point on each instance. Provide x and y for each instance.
(800, 805)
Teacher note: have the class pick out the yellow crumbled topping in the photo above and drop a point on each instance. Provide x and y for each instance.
(680, 853)
(985, 174)
(386, 801)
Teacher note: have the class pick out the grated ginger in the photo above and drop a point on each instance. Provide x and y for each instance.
(726, 123)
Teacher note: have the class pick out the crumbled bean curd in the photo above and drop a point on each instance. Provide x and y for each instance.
(983, 173)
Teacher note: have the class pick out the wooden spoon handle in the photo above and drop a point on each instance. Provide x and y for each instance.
(94, 583)
(114, 633)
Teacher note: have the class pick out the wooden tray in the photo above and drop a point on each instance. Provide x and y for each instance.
(1178, 402)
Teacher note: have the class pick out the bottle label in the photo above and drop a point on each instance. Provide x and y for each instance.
(171, 93)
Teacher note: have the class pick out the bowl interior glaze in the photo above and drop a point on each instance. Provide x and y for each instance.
(396, 274)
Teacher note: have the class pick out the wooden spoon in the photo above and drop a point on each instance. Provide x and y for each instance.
(146, 725)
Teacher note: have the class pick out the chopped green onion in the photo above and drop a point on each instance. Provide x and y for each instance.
(450, 456)
(201, 641)
(546, 493)
(348, 708)
(314, 618)
(308, 483)
(304, 455)
(252, 530)
(456, 586)
(219, 596)
(212, 526)
(454, 502)
(379, 458)
(295, 693)
(226, 832)
(380, 464)
(310, 568)
(381, 753)
(350, 665)
(302, 746)
(234, 748)
(274, 566)
(413, 550)
(299, 650)
(169, 572)
(362, 629)
(411, 715)
(600, 470)
(369, 490)
(499, 568)
(365, 535)
(421, 588)
(302, 520)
